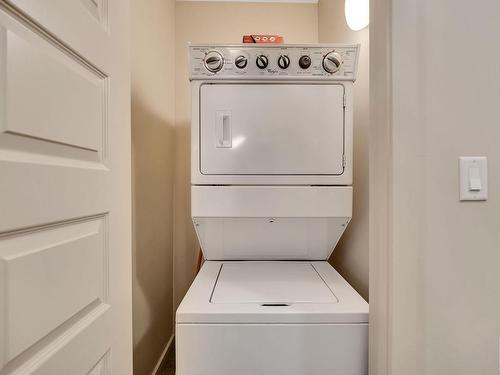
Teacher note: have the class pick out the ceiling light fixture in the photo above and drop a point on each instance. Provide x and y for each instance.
(357, 14)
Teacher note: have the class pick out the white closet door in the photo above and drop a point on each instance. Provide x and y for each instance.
(65, 224)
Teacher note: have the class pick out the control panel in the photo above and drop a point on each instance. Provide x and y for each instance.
(257, 61)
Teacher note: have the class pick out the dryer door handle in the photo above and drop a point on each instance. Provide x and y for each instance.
(223, 129)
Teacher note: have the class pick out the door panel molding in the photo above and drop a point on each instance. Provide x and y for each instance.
(83, 338)
(31, 24)
(62, 92)
(68, 271)
(22, 45)
(99, 10)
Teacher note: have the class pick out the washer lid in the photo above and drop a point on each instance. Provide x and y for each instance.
(271, 284)
(198, 306)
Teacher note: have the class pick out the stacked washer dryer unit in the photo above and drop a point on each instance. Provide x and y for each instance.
(271, 194)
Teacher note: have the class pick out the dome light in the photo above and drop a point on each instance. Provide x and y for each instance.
(357, 14)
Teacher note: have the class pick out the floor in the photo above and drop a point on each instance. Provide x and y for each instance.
(168, 366)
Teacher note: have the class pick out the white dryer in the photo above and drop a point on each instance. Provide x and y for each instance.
(271, 174)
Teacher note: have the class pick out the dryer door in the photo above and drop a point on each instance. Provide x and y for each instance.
(272, 129)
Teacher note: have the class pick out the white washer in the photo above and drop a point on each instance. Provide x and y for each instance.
(271, 318)
(271, 195)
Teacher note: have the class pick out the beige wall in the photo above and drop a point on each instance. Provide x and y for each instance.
(351, 255)
(444, 283)
(225, 23)
(153, 178)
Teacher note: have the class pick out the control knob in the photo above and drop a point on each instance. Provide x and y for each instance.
(213, 61)
(241, 62)
(304, 62)
(283, 61)
(332, 62)
(262, 61)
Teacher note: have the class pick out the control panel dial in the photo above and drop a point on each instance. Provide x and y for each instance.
(305, 61)
(332, 62)
(213, 61)
(262, 61)
(241, 62)
(283, 61)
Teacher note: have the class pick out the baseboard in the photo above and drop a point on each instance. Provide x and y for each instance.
(163, 355)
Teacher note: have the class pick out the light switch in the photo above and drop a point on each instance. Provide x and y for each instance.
(473, 178)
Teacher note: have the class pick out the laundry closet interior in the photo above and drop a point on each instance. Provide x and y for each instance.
(251, 187)
(278, 221)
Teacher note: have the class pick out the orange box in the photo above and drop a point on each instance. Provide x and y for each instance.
(273, 39)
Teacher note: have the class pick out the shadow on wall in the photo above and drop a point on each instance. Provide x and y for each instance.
(153, 181)
(185, 235)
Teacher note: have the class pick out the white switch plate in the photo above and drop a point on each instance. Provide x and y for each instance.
(473, 178)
